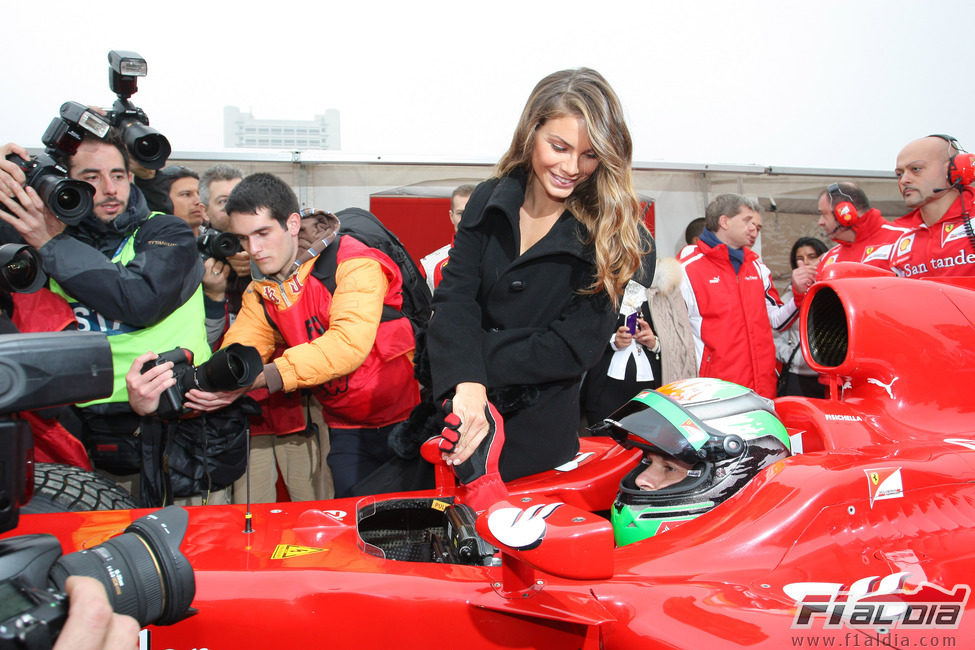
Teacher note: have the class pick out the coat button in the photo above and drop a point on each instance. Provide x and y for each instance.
(517, 285)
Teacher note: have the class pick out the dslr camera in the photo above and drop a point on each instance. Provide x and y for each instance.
(69, 199)
(146, 145)
(218, 245)
(235, 366)
(143, 570)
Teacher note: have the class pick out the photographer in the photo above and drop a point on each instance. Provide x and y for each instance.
(128, 272)
(338, 310)
(226, 277)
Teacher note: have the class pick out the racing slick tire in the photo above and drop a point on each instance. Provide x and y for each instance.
(66, 488)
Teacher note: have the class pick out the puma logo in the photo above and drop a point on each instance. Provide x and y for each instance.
(886, 387)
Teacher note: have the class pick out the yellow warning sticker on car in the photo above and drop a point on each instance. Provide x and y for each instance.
(285, 551)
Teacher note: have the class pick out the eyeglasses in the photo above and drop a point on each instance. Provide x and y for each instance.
(314, 213)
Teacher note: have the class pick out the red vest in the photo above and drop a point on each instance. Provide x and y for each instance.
(382, 390)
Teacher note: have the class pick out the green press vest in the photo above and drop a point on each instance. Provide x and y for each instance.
(183, 328)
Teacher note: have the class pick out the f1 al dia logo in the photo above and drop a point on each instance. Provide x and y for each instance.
(874, 603)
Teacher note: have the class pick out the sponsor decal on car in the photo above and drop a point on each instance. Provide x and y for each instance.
(521, 529)
(286, 551)
(884, 483)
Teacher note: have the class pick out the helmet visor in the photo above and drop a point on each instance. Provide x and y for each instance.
(656, 423)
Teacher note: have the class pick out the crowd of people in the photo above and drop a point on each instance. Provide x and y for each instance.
(551, 306)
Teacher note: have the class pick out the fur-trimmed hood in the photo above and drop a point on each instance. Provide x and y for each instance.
(667, 277)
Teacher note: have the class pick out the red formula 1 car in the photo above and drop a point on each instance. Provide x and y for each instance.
(866, 537)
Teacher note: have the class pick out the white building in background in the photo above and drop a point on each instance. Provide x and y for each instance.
(243, 130)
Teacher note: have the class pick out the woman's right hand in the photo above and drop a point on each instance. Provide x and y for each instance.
(469, 402)
(623, 337)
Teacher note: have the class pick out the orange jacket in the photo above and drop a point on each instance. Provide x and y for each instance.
(359, 366)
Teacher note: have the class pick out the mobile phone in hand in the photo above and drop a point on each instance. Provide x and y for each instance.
(631, 322)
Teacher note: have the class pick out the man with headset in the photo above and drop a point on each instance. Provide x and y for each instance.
(861, 233)
(934, 177)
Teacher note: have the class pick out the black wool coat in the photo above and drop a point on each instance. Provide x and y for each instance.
(519, 325)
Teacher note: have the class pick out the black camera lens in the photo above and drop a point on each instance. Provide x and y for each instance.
(235, 366)
(20, 270)
(143, 570)
(226, 244)
(148, 146)
(219, 245)
(67, 198)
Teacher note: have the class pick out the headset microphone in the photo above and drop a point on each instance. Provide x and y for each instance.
(836, 229)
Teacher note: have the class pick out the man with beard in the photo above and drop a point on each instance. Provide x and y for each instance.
(125, 271)
(934, 178)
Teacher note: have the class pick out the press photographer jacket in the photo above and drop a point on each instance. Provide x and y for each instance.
(358, 364)
(137, 279)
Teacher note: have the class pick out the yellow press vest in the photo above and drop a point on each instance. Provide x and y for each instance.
(184, 328)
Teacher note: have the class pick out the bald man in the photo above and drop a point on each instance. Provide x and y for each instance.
(942, 239)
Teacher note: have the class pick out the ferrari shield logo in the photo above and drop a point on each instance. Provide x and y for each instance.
(884, 483)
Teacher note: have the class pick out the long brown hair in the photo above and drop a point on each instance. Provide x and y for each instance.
(605, 203)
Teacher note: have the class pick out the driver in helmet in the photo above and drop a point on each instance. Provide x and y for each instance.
(703, 439)
(658, 471)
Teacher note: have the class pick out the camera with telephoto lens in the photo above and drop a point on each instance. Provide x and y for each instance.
(218, 245)
(145, 575)
(235, 366)
(69, 199)
(147, 146)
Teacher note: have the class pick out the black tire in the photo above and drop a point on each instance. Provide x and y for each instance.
(66, 488)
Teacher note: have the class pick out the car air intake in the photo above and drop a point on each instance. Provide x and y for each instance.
(826, 329)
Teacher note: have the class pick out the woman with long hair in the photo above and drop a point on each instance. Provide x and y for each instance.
(530, 293)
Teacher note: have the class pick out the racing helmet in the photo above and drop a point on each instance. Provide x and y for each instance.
(724, 432)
